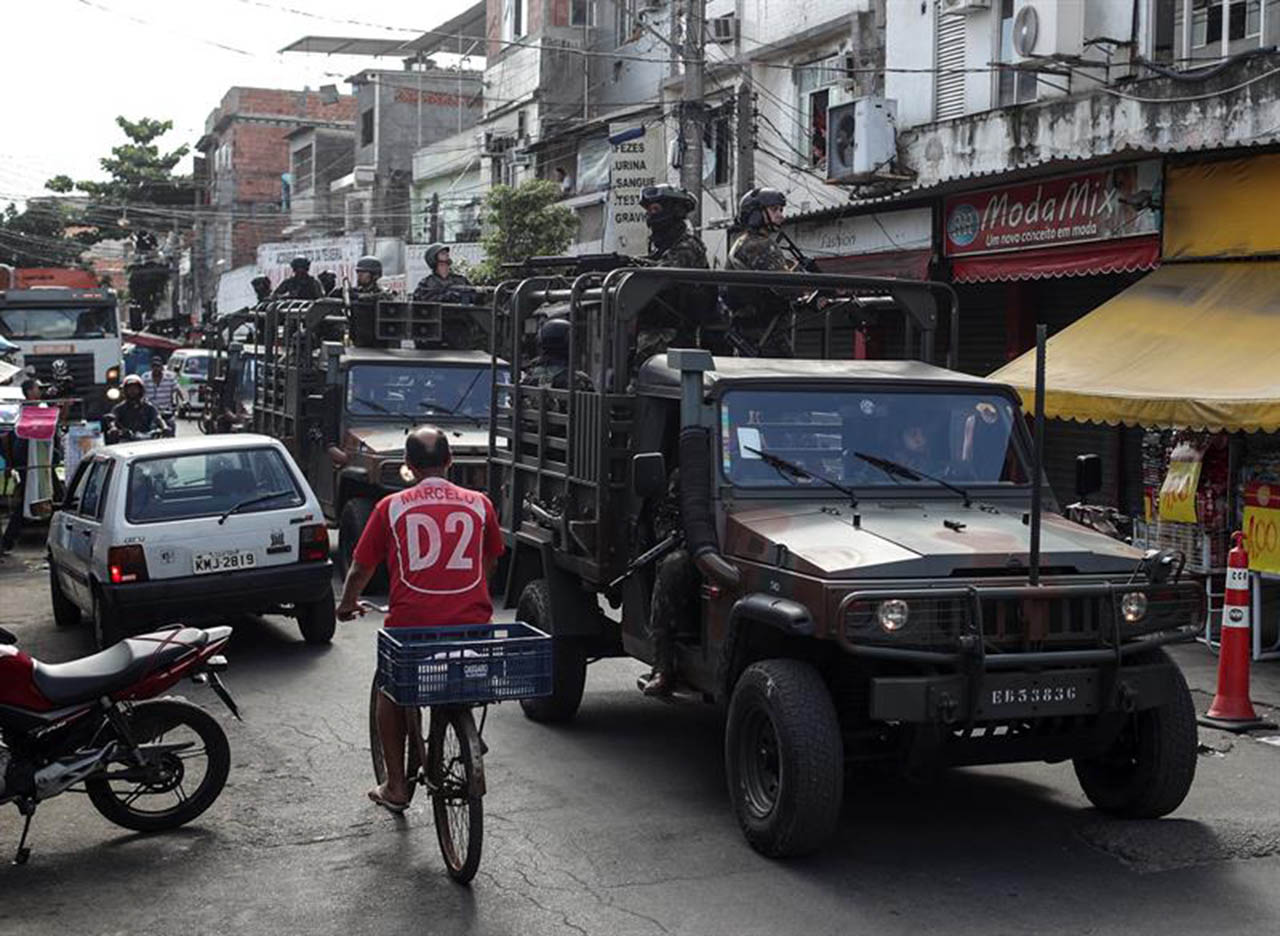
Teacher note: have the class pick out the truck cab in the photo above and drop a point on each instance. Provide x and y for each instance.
(840, 551)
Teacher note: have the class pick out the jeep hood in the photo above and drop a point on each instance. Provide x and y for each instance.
(912, 539)
(388, 441)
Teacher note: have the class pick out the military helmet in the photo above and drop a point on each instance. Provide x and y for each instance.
(300, 264)
(369, 264)
(751, 207)
(675, 203)
(432, 252)
(553, 338)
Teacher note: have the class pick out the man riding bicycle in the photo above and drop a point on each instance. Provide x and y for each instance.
(440, 543)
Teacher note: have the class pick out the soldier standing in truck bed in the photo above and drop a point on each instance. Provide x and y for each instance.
(676, 315)
(442, 284)
(759, 313)
(302, 285)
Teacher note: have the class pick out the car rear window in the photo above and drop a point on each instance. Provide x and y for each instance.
(207, 484)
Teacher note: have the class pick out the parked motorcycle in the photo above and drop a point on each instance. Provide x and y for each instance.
(96, 725)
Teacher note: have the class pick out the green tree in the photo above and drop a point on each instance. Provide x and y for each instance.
(140, 181)
(523, 222)
(37, 236)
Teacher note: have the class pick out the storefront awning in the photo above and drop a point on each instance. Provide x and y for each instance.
(1190, 345)
(1116, 256)
(903, 264)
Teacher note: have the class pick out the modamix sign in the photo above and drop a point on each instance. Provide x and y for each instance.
(1122, 201)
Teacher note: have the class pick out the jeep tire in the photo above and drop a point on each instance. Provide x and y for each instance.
(568, 659)
(355, 515)
(784, 758)
(1148, 770)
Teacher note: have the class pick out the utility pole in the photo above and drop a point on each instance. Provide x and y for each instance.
(745, 108)
(692, 109)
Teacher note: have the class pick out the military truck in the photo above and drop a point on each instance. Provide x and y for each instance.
(343, 409)
(856, 579)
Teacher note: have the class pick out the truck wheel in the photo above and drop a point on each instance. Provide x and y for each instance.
(784, 758)
(1148, 770)
(355, 515)
(316, 620)
(568, 661)
(65, 611)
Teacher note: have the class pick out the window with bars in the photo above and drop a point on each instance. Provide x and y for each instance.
(1013, 86)
(1242, 20)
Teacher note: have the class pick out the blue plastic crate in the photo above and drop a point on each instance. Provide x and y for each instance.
(468, 665)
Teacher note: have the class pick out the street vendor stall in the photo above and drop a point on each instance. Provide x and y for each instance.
(1186, 353)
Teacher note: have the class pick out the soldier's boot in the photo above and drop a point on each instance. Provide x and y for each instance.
(657, 683)
(662, 680)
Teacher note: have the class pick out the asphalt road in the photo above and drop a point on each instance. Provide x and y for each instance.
(616, 824)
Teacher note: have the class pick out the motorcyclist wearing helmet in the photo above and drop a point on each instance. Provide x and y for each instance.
(442, 284)
(302, 285)
(759, 213)
(671, 242)
(134, 416)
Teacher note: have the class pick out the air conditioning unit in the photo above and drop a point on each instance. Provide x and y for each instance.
(964, 6)
(1048, 29)
(861, 139)
(724, 29)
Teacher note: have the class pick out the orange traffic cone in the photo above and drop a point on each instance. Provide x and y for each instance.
(1231, 708)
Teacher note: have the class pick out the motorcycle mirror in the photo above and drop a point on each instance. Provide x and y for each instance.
(7, 636)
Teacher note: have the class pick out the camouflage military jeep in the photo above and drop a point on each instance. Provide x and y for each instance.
(858, 534)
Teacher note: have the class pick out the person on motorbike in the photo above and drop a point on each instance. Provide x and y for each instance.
(440, 543)
(134, 417)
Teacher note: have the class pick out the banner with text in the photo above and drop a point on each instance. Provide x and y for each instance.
(1092, 206)
(634, 164)
(338, 254)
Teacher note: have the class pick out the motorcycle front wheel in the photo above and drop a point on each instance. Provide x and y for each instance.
(185, 761)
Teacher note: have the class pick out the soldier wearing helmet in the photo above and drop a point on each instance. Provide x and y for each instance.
(261, 287)
(301, 285)
(671, 242)
(134, 416)
(441, 284)
(368, 272)
(551, 368)
(759, 213)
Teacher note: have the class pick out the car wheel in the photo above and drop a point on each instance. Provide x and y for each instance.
(316, 620)
(568, 659)
(355, 516)
(1148, 769)
(784, 758)
(107, 631)
(65, 611)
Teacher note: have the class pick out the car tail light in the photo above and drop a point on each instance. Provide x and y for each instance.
(126, 564)
(313, 545)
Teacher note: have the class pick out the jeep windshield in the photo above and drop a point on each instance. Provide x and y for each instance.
(964, 437)
(33, 323)
(419, 390)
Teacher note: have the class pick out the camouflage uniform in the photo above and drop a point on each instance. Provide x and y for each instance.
(305, 286)
(755, 309)
(434, 288)
(659, 329)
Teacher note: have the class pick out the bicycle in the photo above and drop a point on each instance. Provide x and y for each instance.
(450, 671)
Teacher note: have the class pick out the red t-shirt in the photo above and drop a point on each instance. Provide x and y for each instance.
(435, 538)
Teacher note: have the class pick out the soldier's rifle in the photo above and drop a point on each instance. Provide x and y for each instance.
(803, 260)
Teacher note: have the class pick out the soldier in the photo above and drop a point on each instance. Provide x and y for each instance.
(442, 284)
(759, 213)
(261, 287)
(368, 272)
(671, 242)
(363, 309)
(328, 282)
(551, 367)
(302, 285)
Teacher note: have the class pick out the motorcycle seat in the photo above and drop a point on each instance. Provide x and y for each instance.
(116, 667)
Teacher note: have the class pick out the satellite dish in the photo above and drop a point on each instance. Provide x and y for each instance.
(1026, 28)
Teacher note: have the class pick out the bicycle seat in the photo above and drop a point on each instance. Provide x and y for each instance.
(114, 668)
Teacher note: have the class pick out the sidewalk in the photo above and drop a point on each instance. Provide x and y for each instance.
(1201, 670)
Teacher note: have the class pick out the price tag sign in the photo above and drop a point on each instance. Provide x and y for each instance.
(1262, 525)
(1178, 493)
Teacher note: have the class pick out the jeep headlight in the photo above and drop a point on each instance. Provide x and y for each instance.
(893, 614)
(1134, 607)
(113, 375)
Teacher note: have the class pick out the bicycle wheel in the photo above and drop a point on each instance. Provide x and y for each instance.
(412, 762)
(456, 776)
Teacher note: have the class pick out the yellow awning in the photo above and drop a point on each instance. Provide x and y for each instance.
(1190, 345)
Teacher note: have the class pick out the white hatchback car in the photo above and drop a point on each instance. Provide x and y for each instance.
(176, 529)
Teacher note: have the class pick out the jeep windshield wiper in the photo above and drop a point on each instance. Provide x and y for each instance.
(379, 408)
(454, 410)
(250, 501)
(785, 468)
(897, 470)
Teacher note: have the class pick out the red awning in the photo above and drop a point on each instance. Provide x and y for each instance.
(1117, 256)
(903, 264)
